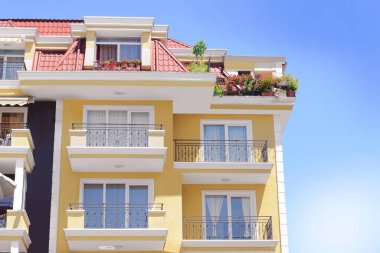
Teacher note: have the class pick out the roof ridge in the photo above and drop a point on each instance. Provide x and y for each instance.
(171, 55)
(180, 42)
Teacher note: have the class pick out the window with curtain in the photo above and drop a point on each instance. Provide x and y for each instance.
(115, 205)
(228, 217)
(117, 128)
(118, 49)
(9, 65)
(225, 143)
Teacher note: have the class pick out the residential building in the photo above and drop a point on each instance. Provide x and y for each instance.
(114, 145)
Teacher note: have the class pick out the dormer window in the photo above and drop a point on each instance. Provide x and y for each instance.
(118, 49)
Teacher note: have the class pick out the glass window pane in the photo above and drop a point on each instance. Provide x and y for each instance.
(115, 206)
(107, 52)
(139, 129)
(241, 218)
(237, 148)
(216, 217)
(96, 131)
(138, 206)
(214, 143)
(93, 205)
(13, 65)
(1, 67)
(130, 52)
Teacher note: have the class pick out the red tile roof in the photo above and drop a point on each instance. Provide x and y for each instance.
(45, 27)
(173, 43)
(163, 60)
(72, 59)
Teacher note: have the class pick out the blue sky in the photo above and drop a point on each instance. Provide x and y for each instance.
(332, 141)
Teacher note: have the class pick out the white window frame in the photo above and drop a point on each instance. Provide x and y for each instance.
(229, 193)
(118, 45)
(128, 108)
(226, 124)
(23, 110)
(5, 62)
(126, 181)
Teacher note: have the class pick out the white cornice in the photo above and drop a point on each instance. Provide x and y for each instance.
(188, 52)
(17, 31)
(117, 76)
(118, 21)
(256, 58)
(160, 29)
(54, 40)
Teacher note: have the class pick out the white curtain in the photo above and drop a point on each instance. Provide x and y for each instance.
(117, 129)
(96, 132)
(237, 150)
(214, 206)
(107, 52)
(214, 146)
(139, 129)
(246, 208)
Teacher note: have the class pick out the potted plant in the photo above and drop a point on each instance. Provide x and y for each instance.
(265, 86)
(124, 64)
(113, 64)
(292, 87)
(106, 64)
(219, 90)
(137, 64)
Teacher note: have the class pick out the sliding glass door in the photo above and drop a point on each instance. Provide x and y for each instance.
(229, 217)
(115, 206)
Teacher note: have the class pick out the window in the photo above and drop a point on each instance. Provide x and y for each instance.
(118, 126)
(118, 49)
(116, 203)
(226, 140)
(11, 118)
(229, 215)
(9, 65)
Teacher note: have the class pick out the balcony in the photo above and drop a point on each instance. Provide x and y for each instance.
(222, 161)
(8, 70)
(16, 143)
(229, 233)
(14, 227)
(129, 227)
(117, 148)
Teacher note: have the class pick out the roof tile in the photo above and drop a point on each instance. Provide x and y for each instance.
(173, 43)
(163, 60)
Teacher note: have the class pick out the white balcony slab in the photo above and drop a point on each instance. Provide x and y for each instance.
(9, 155)
(116, 239)
(224, 172)
(117, 159)
(20, 235)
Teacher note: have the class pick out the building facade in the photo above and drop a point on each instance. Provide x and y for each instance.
(114, 145)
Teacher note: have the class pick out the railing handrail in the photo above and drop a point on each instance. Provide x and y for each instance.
(203, 218)
(149, 206)
(23, 125)
(76, 126)
(13, 67)
(195, 141)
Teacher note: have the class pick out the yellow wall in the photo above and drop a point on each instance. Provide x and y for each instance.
(168, 185)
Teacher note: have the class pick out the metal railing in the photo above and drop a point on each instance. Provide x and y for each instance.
(8, 70)
(228, 228)
(117, 135)
(221, 151)
(6, 132)
(116, 215)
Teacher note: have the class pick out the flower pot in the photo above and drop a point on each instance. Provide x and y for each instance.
(267, 93)
(291, 93)
(131, 64)
(113, 65)
(106, 65)
(124, 65)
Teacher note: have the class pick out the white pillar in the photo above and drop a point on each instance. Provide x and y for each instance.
(281, 184)
(15, 248)
(18, 196)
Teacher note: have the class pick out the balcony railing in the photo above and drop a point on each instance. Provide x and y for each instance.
(6, 130)
(116, 215)
(251, 151)
(228, 228)
(8, 70)
(116, 135)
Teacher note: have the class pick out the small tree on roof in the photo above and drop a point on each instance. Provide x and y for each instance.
(199, 49)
